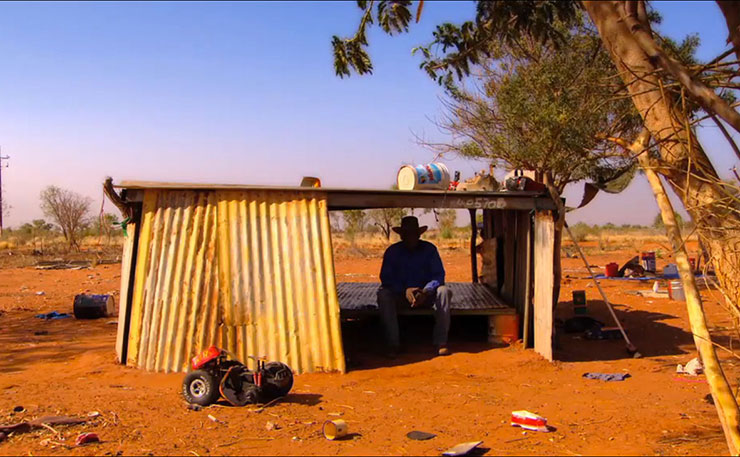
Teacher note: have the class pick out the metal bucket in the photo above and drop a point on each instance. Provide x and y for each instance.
(94, 306)
(431, 176)
(675, 291)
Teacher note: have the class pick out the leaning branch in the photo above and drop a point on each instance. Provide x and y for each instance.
(702, 94)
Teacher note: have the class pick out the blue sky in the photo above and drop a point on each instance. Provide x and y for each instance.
(237, 93)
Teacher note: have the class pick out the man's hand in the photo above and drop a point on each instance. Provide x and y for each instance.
(411, 294)
(417, 297)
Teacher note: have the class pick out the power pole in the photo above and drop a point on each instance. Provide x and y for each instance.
(2, 208)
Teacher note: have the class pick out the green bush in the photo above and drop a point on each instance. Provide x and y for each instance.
(581, 231)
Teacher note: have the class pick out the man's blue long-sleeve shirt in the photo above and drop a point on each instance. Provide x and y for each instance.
(403, 268)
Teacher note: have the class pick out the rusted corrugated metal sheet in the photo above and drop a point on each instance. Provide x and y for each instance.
(251, 271)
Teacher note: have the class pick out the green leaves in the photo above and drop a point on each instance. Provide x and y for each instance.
(351, 53)
(536, 107)
(394, 15)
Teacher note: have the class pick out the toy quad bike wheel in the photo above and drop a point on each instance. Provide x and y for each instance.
(278, 380)
(200, 387)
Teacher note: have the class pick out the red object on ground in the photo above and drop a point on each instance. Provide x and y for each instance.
(529, 421)
(611, 270)
(205, 357)
(86, 438)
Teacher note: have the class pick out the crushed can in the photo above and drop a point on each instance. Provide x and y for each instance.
(529, 421)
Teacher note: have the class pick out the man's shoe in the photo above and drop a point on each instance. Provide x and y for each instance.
(442, 350)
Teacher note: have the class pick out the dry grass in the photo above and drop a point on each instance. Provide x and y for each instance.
(19, 252)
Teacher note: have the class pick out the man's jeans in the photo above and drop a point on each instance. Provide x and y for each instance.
(389, 302)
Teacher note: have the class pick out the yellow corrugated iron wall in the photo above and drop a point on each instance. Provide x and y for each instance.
(250, 271)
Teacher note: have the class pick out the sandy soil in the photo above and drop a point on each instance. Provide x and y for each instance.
(470, 395)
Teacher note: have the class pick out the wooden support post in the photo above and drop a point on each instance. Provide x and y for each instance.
(520, 258)
(509, 256)
(473, 238)
(128, 268)
(526, 333)
(544, 246)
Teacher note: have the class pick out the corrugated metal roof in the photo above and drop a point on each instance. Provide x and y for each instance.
(220, 186)
(342, 199)
(248, 270)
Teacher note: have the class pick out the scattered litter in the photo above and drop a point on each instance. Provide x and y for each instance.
(53, 315)
(194, 407)
(420, 436)
(334, 429)
(62, 265)
(93, 414)
(112, 322)
(462, 448)
(607, 376)
(214, 419)
(580, 324)
(693, 368)
(42, 422)
(339, 414)
(41, 292)
(692, 380)
(270, 426)
(603, 333)
(529, 421)
(295, 438)
(648, 293)
(19, 409)
(87, 438)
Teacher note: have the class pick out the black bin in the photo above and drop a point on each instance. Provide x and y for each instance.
(93, 306)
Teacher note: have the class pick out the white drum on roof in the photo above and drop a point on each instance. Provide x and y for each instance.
(431, 176)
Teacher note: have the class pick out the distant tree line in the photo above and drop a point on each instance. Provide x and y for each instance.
(68, 214)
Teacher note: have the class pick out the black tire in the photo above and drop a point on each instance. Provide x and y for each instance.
(200, 388)
(278, 380)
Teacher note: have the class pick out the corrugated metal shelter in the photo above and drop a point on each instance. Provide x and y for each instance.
(251, 268)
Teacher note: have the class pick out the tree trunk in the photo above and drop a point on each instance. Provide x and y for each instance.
(684, 164)
(557, 267)
(724, 401)
(731, 12)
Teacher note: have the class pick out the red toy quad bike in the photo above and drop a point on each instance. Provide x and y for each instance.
(216, 376)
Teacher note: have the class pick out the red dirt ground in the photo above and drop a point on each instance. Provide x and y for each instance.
(466, 396)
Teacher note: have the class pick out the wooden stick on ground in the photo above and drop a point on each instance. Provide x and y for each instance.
(630, 347)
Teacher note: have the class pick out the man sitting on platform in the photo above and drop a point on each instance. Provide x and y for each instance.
(413, 276)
